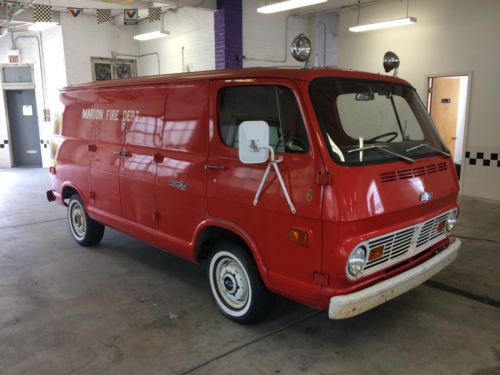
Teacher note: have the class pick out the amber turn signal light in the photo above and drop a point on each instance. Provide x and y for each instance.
(376, 252)
(441, 226)
(298, 236)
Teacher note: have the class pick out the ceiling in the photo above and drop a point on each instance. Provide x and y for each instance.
(122, 4)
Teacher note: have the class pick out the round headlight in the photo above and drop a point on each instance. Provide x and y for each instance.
(451, 221)
(356, 261)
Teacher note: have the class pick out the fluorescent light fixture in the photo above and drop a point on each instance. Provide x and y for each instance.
(383, 24)
(41, 26)
(287, 5)
(152, 35)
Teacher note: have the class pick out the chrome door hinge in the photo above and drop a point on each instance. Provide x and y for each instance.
(320, 278)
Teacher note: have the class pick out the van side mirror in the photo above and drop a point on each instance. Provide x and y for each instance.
(253, 142)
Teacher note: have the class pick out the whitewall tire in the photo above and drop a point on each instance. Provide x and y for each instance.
(237, 288)
(85, 231)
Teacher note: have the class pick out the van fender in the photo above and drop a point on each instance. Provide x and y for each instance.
(240, 232)
(68, 184)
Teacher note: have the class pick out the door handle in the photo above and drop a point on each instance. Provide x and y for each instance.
(123, 153)
(215, 167)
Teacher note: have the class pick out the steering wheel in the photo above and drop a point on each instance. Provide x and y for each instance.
(393, 134)
(296, 144)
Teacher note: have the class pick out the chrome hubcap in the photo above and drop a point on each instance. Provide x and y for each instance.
(232, 283)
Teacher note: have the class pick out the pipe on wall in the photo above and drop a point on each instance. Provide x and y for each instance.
(40, 59)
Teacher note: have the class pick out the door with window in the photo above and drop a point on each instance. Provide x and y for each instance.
(231, 185)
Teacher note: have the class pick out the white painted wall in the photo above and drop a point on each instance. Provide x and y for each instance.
(461, 117)
(451, 37)
(52, 52)
(83, 38)
(191, 30)
(267, 38)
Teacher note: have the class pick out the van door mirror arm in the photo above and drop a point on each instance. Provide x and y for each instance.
(273, 163)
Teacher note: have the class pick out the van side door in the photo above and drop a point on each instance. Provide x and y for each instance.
(232, 185)
(105, 160)
(143, 122)
(180, 183)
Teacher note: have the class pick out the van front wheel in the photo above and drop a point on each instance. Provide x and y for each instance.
(237, 288)
(85, 231)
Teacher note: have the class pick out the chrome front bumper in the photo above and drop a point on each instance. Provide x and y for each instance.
(349, 305)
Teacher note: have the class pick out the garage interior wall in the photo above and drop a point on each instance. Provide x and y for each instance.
(84, 39)
(451, 37)
(189, 47)
(269, 43)
(55, 77)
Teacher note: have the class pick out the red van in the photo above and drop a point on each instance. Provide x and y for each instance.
(329, 187)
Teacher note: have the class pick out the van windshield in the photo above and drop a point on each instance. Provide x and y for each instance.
(366, 122)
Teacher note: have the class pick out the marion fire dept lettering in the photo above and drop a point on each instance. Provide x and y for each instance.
(92, 114)
(128, 115)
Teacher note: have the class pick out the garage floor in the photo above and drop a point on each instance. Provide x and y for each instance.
(127, 308)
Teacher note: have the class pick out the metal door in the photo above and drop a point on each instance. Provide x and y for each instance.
(25, 139)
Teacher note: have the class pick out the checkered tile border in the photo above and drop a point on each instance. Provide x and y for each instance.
(44, 143)
(42, 13)
(103, 16)
(483, 158)
(4, 143)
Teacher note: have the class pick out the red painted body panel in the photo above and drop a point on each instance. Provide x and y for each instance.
(175, 133)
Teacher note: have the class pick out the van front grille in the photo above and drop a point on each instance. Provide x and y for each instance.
(404, 243)
(404, 174)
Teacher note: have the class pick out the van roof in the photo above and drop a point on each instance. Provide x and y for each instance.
(306, 74)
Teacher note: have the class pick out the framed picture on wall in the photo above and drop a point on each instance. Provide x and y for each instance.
(107, 68)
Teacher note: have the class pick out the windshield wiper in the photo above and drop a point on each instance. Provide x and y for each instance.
(384, 149)
(428, 146)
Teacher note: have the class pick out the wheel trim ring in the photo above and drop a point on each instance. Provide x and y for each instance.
(218, 298)
(77, 220)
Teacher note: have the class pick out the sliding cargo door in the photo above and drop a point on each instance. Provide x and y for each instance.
(143, 121)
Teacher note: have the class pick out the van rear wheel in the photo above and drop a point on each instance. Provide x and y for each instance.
(237, 288)
(85, 231)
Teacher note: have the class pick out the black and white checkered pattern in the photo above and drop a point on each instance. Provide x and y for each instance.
(42, 13)
(4, 143)
(154, 14)
(103, 15)
(44, 143)
(482, 158)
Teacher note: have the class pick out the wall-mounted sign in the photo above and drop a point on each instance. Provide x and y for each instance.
(27, 110)
(13, 56)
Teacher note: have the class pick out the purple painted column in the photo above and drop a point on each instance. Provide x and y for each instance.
(228, 28)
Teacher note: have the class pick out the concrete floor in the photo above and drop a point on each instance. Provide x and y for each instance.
(127, 308)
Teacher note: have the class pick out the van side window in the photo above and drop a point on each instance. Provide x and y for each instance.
(275, 105)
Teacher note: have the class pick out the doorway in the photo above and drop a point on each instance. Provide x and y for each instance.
(24, 134)
(447, 104)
